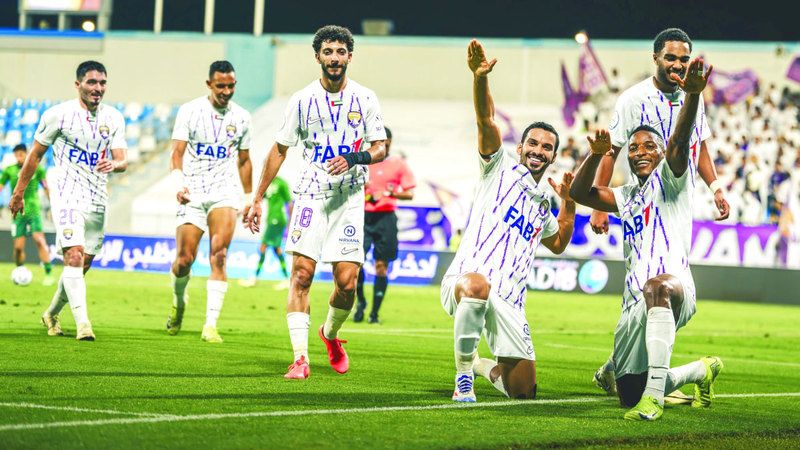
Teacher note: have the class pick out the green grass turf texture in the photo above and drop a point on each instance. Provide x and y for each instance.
(135, 367)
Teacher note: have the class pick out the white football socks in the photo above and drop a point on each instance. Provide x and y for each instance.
(75, 287)
(336, 317)
(179, 298)
(470, 317)
(483, 367)
(59, 299)
(693, 372)
(659, 338)
(298, 333)
(215, 295)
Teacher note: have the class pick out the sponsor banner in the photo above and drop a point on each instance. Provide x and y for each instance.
(573, 275)
(156, 254)
(423, 227)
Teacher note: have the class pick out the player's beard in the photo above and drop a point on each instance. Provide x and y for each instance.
(338, 77)
(664, 75)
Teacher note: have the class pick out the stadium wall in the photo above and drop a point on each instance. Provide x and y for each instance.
(145, 67)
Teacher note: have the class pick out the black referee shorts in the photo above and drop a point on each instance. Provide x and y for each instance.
(380, 230)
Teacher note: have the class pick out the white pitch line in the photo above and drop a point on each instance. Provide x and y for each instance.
(197, 417)
(76, 409)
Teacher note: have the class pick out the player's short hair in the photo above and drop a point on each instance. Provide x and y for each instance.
(649, 129)
(219, 66)
(88, 66)
(670, 34)
(544, 126)
(20, 148)
(333, 33)
(388, 132)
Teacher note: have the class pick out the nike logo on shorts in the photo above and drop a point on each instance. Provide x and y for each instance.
(347, 251)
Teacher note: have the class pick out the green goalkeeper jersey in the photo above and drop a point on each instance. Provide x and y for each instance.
(11, 174)
(277, 195)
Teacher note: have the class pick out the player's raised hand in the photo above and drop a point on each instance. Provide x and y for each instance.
(251, 217)
(338, 165)
(696, 77)
(601, 144)
(105, 166)
(16, 205)
(476, 59)
(562, 189)
(183, 196)
(599, 222)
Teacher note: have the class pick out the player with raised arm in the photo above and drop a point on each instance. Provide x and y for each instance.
(210, 151)
(485, 287)
(29, 223)
(657, 101)
(338, 124)
(659, 293)
(88, 140)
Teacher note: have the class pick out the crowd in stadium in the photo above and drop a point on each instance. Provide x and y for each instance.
(755, 146)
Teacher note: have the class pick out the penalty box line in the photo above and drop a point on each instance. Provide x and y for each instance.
(159, 418)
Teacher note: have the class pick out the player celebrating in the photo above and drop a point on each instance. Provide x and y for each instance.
(29, 223)
(333, 118)
(88, 139)
(216, 132)
(657, 101)
(278, 196)
(659, 293)
(389, 180)
(484, 288)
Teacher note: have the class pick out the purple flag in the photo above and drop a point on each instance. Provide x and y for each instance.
(572, 99)
(733, 87)
(590, 73)
(794, 70)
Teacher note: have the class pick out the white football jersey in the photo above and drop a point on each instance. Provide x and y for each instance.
(214, 139)
(644, 104)
(657, 229)
(327, 125)
(79, 140)
(510, 216)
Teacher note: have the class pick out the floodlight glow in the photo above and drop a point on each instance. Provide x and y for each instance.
(581, 37)
(88, 26)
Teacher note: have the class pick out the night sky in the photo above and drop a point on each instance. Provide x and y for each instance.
(622, 19)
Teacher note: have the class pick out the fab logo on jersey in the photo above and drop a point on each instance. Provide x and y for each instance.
(518, 222)
(212, 151)
(327, 152)
(630, 228)
(80, 156)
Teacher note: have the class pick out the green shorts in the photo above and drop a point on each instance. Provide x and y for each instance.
(25, 225)
(273, 235)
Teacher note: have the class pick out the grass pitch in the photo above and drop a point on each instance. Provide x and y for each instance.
(137, 387)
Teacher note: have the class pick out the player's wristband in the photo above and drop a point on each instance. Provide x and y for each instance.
(363, 158)
(715, 186)
(176, 180)
(248, 198)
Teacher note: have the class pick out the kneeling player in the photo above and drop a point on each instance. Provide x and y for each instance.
(659, 293)
(485, 287)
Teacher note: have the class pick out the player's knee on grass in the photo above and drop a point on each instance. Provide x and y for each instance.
(519, 378)
(659, 291)
(73, 256)
(473, 285)
(630, 389)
